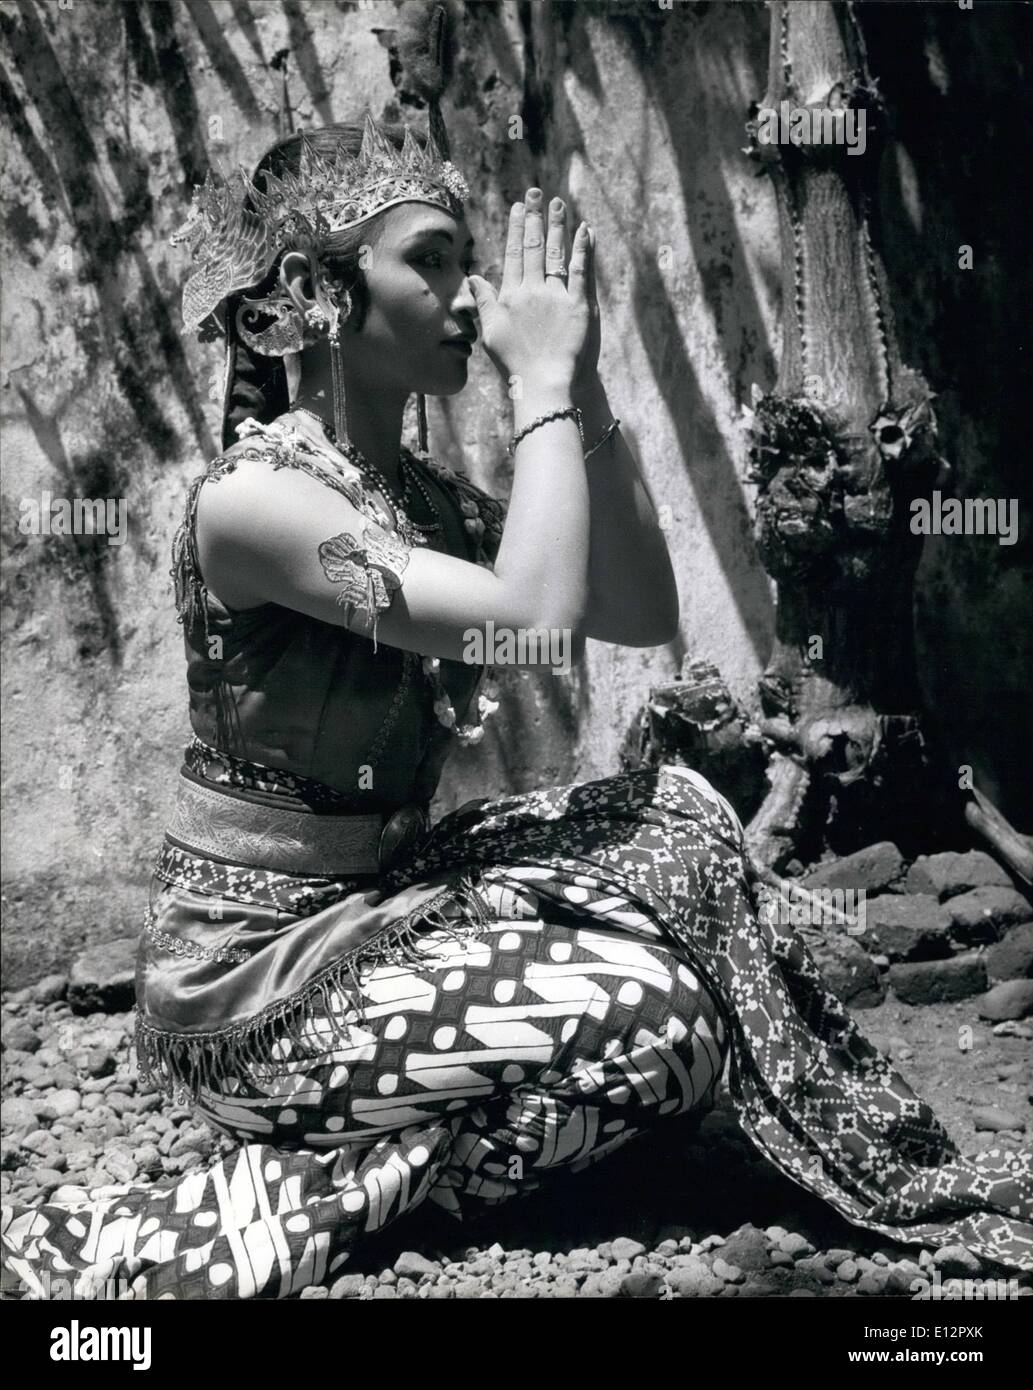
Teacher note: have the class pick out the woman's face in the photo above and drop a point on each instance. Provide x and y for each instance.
(419, 300)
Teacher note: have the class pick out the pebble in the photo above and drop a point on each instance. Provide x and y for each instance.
(1011, 1000)
(62, 1102)
(792, 1243)
(19, 1036)
(641, 1285)
(729, 1273)
(626, 1249)
(17, 1116)
(100, 1062)
(1011, 1029)
(412, 1265)
(50, 990)
(956, 1260)
(991, 1117)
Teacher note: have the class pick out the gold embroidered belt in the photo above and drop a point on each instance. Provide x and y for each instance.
(216, 824)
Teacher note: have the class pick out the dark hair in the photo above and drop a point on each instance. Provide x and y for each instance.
(255, 384)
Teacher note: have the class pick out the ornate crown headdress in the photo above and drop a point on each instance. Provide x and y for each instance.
(235, 232)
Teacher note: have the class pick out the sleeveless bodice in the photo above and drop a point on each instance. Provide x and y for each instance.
(288, 691)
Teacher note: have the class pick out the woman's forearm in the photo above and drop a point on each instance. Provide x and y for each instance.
(633, 596)
(542, 561)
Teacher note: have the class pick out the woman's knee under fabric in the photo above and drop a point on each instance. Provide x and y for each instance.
(582, 1015)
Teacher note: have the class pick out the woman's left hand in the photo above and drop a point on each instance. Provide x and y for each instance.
(555, 251)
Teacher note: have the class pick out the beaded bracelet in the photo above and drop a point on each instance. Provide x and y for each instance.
(571, 410)
(603, 437)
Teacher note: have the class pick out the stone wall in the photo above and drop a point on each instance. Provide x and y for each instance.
(633, 113)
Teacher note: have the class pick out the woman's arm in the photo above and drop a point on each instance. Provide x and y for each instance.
(277, 535)
(633, 596)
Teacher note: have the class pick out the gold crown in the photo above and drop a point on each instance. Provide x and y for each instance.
(236, 232)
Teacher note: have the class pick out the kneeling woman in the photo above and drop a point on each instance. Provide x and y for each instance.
(383, 1013)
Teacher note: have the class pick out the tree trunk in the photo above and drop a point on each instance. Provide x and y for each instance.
(839, 449)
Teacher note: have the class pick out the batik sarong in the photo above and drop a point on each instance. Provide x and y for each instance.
(620, 954)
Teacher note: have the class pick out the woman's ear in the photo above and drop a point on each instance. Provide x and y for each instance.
(296, 279)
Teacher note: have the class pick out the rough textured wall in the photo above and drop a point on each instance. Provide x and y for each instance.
(114, 110)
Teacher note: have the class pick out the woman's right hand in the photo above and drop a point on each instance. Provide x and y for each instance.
(535, 327)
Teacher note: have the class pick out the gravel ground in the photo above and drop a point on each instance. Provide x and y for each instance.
(690, 1211)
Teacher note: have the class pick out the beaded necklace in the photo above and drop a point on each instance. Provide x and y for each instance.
(414, 532)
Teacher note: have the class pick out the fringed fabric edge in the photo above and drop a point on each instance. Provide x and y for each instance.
(182, 1065)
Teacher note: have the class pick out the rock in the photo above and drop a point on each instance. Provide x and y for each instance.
(60, 1104)
(796, 1245)
(747, 1247)
(412, 1265)
(468, 1288)
(17, 1117)
(314, 1291)
(728, 1273)
(348, 1286)
(992, 1118)
(938, 981)
(641, 1284)
(849, 972)
(847, 1271)
(102, 979)
(872, 1283)
(41, 1141)
(872, 869)
(100, 1062)
(626, 1249)
(816, 1268)
(69, 1195)
(694, 1281)
(1011, 1069)
(19, 1036)
(147, 1158)
(50, 989)
(983, 914)
(120, 1164)
(949, 874)
(908, 926)
(1011, 958)
(609, 1283)
(955, 1259)
(1013, 1030)
(1012, 999)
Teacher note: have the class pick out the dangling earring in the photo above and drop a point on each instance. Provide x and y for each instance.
(337, 372)
(421, 422)
(292, 370)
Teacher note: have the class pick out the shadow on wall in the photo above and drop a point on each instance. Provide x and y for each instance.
(957, 88)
